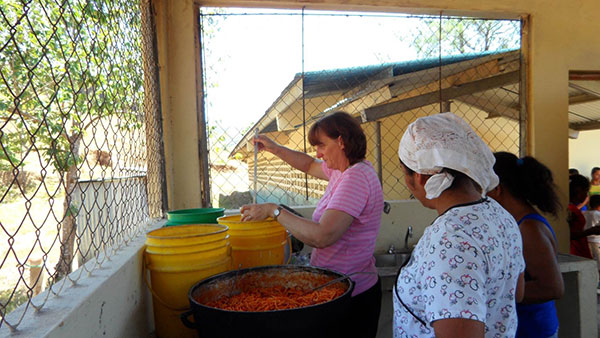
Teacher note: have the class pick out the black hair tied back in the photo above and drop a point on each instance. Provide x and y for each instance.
(529, 180)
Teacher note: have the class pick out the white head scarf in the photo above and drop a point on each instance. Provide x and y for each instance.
(446, 141)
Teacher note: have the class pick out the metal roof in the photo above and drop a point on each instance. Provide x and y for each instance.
(324, 81)
(317, 83)
(584, 104)
(584, 90)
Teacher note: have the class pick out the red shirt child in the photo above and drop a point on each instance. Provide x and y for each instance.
(579, 186)
(576, 219)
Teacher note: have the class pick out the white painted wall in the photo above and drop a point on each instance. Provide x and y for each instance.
(584, 152)
(393, 225)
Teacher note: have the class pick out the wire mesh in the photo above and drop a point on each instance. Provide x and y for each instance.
(279, 71)
(80, 141)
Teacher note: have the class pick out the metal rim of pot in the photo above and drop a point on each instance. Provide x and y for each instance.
(185, 315)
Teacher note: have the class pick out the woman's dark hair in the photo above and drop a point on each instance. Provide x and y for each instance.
(344, 125)
(529, 180)
(573, 171)
(578, 184)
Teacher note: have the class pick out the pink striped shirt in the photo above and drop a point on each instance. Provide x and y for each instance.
(357, 192)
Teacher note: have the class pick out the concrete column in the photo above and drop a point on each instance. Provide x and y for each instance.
(178, 58)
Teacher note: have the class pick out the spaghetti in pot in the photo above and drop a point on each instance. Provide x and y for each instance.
(276, 295)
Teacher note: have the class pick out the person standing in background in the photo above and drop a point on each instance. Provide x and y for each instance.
(592, 218)
(527, 184)
(579, 187)
(595, 182)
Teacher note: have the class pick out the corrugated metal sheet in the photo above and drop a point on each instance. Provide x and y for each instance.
(588, 112)
(99, 227)
(591, 85)
(591, 110)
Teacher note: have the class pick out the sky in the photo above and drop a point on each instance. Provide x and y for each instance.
(251, 55)
(255, 57)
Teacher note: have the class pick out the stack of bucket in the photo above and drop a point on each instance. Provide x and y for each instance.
(256, 243)
(183, 253)
(178, 257)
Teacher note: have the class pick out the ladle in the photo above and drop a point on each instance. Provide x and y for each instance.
(339, 279)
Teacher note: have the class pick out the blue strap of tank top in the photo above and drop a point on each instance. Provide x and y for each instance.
(540, 218)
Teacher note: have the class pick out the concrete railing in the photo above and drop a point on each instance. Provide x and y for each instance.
(112, 301)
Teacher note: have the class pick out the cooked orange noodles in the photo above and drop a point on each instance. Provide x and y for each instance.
(276, 298)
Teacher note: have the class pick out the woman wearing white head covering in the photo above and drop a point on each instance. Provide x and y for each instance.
(466, 272)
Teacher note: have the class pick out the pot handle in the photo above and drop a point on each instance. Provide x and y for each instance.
(184, 319)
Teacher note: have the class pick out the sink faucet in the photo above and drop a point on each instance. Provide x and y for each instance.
(409, 233)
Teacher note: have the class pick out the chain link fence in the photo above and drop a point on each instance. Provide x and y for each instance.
(81, 159)
(276, 72)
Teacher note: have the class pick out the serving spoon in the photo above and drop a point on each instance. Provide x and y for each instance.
(339, 279)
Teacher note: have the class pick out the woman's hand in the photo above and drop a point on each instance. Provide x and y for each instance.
(265, 143)
(257, 212)
(584, 203)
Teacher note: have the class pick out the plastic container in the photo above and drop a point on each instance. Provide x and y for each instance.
(194, 216)
(177, 258)
(256, 243)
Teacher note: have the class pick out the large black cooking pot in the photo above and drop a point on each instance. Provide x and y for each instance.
(327, 319)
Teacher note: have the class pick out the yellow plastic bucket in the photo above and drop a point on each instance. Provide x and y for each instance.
(255, 243)
(179, 257)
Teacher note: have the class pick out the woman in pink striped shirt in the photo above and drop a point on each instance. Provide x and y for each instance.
(347, 218)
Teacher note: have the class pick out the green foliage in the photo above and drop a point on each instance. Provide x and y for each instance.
(8, 303)
(66, 66)
(218, 143)
(73, 210)
(462, 35)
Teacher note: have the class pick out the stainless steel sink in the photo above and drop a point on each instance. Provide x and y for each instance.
(391, 259)
(387, 266)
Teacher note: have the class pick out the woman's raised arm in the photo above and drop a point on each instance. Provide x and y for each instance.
(296, 159)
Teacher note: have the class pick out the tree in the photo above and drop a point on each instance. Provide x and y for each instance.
(64, 67)
(462, 35)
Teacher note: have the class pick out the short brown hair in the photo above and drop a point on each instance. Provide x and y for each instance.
(342, 124)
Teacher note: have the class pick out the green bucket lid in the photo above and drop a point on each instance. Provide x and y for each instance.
(194, 216)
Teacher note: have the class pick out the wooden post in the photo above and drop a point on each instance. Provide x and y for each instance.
(36, 274)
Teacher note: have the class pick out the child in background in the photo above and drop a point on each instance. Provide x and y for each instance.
(592, 218)
(595, 182)
(579, 187)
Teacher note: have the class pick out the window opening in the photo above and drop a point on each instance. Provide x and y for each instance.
(281, 70)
